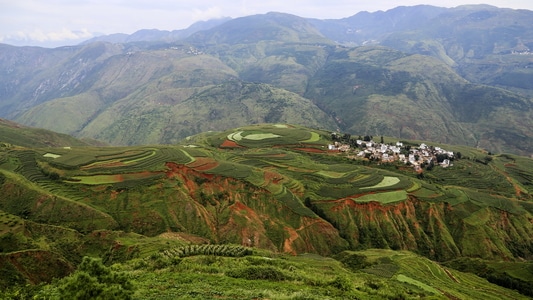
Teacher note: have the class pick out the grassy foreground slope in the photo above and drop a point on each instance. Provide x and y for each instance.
(259, 274)
(271, 186)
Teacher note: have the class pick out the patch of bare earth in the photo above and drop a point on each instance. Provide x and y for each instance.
(230, 144)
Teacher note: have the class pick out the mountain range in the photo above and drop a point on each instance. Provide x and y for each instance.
(381, 156)
(453, 75)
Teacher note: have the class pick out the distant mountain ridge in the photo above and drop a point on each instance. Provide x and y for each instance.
(417, 72)
(155, 35)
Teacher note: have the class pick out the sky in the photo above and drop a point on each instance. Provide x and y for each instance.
(67, 22)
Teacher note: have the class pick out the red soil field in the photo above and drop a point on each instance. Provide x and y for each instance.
(203, 164)
(230, 144)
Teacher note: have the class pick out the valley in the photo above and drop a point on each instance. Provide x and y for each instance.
(385, 155)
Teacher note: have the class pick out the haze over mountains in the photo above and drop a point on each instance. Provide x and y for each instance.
(459, 76)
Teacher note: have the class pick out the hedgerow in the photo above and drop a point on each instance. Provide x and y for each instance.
(208, 249)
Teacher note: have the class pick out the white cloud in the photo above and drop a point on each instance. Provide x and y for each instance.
(51, 36)
(213, 12)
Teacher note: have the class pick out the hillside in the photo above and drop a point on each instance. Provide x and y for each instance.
(384, 73)
(275, 187)
(369, 274)
(381, 91)
(13, 134)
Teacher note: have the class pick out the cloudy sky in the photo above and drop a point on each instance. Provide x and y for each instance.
(63, 22)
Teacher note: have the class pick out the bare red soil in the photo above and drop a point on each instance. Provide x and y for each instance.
(230, 144)
(273, 177)
(203, 164)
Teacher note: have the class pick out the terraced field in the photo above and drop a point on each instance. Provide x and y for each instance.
(276, 187)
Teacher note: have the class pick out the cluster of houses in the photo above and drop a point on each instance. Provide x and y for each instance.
(522, 52)
(418, 157)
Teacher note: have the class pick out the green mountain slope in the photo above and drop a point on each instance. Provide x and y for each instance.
(153, 80)
(221, 106)
(381, 91)
(15, 134)
(485, 44)
(443, 86)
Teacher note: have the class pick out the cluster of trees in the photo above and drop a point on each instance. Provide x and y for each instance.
(92, 280)
(347, 138)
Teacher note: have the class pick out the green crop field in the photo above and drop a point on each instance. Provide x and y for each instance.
(106, 179)
(386, 182)
(384, 197)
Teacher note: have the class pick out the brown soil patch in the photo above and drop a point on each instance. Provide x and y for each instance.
(287, 245)
(272, 177)
(114, 195)
(203, 164)
(239, 206)
(450, 275)
(230, 144)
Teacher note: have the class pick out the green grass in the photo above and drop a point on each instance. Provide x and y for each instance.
(409, 280)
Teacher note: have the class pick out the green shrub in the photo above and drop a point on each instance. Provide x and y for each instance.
(342, 283)
(93, 280)
(258, 273)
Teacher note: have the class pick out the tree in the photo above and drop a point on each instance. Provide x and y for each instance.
(93, 280)
(441, 157)
(346, 137)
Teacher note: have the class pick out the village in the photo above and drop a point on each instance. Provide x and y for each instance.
(419, 157)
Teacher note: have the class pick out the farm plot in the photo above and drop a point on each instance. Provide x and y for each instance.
(333, 177)
(266, 136)
(484, 199)
(76, 157)
(386, 182)
(522, 171)
(427, 192)
(110, 179)
(409, 280)
(383, 198)
(338, 188)
(337, 191)
(164, 155)
(28, 166)
(229, 169)
(120, 159)
(474, 175)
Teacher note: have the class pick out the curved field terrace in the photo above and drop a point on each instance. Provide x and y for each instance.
(114, 178)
